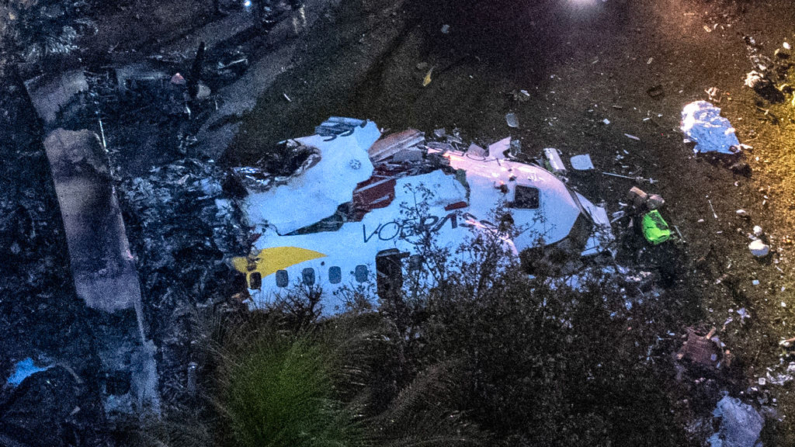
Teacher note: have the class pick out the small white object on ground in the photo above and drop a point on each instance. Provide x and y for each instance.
(759, 248)
(606, 121)
(581, 162)
(445, 29)
(512, 120)
(757, 230)
(631, 137)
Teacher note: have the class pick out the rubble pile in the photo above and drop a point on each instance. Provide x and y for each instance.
(181, 226)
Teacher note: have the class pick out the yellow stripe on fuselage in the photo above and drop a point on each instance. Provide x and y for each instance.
(270, 260)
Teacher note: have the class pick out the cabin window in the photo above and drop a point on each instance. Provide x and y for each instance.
(361, 273)
(282, 278)
(335, 275)
(526, 198)
(308, 276)
(255, 280)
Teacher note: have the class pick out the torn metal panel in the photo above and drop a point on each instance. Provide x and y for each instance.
(391, 145)
(50, 95)
(102, 265)
(315, 193)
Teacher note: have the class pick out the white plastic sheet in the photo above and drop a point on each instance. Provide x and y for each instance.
(702, 124)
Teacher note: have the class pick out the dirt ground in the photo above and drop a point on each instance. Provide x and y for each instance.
(582, 63)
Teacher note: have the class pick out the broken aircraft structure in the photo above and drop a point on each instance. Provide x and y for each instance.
(327, 225)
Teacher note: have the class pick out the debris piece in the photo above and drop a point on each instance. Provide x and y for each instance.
(631, 137)
(476, 151)
(316, 192)
(637, 197)
(24, 369)
(702, 124)
(512, 120)
(756, 80)
(553, 162)
(700, 349)
(740, 424)
(440, 133)
(49, 94)
(655, 229)
(427, 79)
(656, 91)
(95, 233)
(741, 167)
(408, 155)
(581, 162)
(637, 179)
(757, 231)
(681, 238)
(606, 121)
(714, 214)
(178, 79)
(445, 29)
(520, 95)
(394, 143)
(286, 97)
(654, 202)
(759, 248)
(497, 150)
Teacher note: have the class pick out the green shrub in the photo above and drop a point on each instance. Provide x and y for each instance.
(278, 391)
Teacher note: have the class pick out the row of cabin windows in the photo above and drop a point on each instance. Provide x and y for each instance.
(360, 273)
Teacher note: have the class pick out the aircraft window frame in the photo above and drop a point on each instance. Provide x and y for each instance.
(537, 199)
(282, 278)
(334, 274)
(308, 276)
(255, 282)
(361, 273)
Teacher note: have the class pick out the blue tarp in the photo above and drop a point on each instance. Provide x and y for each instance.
(24, 369)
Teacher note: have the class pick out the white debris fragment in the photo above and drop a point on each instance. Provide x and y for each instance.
(316, 193)
(606, 121)
(740, 424)
(786, 46)
(759, 248)
(757, 230)
(631, 137)
(512, 120)
(702, 124)
(497, 150)
(581, 162)
(755, 282)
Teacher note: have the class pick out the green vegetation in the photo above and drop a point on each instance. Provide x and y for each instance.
(277, 391)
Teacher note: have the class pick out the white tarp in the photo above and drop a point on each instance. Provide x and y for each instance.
(316, 193)
(702, 124)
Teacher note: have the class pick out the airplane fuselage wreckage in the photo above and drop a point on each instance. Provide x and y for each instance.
(330, 225)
